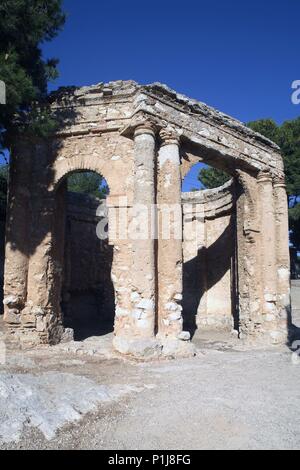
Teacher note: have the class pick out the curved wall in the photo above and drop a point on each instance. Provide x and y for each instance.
(208, 252)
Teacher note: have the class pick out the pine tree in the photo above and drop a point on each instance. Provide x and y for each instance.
(24, 26)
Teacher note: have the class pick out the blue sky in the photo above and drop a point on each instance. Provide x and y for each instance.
(237, 56)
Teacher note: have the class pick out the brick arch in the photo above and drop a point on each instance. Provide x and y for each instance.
(63, 168)
(108, 154)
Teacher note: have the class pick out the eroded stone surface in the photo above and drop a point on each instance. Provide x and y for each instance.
(230, 266)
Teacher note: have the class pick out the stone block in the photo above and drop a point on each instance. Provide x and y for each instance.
(12, 317)
(141, 348)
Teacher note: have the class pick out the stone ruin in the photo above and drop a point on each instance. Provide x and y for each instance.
(228, 268)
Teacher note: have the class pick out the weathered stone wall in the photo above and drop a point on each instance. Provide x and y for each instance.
(209, 251)
(88, 259)
(142, 139)
(88, 301)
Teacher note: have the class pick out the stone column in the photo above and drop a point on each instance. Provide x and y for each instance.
(268, 245)
(42, 311)
(41, 317)
(117, 214)
(282, 249)
(248, 255)
(143, 254)
(170, 237)
(17, 236)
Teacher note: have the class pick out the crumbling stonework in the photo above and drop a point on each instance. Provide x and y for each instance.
(209, 265)
(143, 140)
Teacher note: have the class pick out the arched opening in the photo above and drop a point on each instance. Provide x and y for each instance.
(209, 268)
(4, 169)
(87, 293)
(202, 176)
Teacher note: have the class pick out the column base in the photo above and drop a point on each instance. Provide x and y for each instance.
(266, 334)
(28, 338)
(33, 326)
(154, 348)
(173, 348)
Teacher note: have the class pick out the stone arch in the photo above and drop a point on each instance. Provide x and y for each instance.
(210, 291)
(108, 154)
(86, 288)
(62, 169)
(209, 278)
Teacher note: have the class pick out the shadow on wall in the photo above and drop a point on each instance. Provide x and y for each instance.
(203, 272)
(31, 174)
(89, 313)
(88, 300)
(293, 333)
(37, 210)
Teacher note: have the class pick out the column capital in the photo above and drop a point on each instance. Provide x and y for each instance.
(169, 136)
(264, 176)
(145, 127)
(279, 181)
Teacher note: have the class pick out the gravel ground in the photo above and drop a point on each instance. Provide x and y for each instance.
(84, 396)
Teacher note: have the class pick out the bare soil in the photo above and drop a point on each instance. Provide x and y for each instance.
(83, 395)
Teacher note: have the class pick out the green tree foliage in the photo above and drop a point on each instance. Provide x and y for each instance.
(265, 127)
(88, 182)
(24, 26)
(212, 177)
(289, 142)
(287, 136)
